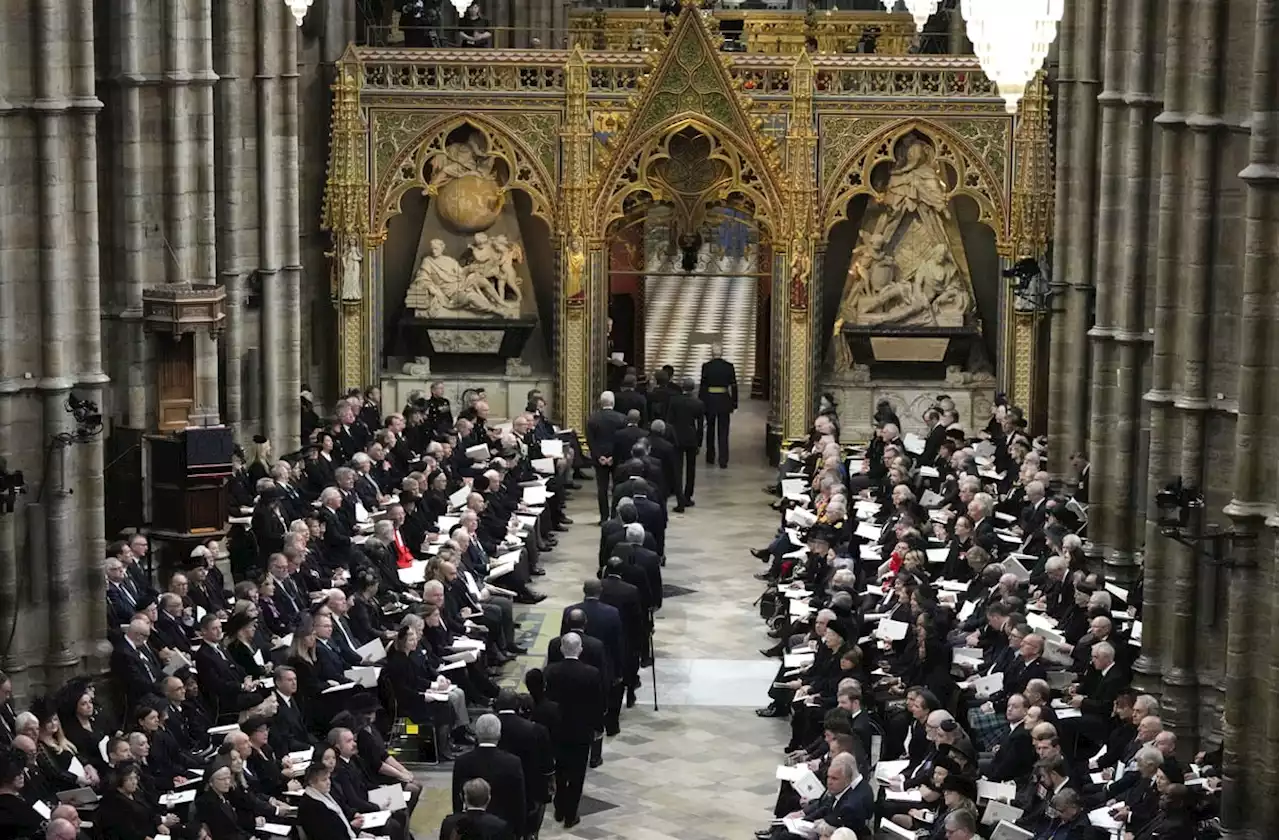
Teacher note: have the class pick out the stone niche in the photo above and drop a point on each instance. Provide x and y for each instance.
(857, 395)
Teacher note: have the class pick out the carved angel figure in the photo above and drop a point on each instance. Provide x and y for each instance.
(352, 257)
(459, 159)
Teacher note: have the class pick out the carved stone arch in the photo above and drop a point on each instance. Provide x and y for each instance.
(406, 167)
(626, 174)
(974, 177)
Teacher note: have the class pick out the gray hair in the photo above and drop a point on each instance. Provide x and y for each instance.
(1149, 705)
(359, 459)
(1150, 756)
(432, 586)
(1105, 649)
(658, 427)
(488, 729)
(571, 645)
(606, 399)
(345, 472)
(845, 764)
(384, 530)
(1101, 598)
(329, 493)
(634, 533)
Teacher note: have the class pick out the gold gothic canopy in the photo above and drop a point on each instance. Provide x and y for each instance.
(585, 134)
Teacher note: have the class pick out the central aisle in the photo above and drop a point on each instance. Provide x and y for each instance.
(702, 766)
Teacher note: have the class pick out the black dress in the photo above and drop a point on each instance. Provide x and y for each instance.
(243, 655)
(220, 817)
(120, 817)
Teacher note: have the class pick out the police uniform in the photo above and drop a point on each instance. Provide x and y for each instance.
(719, 393)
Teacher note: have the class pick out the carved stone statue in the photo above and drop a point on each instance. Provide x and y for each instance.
(351, 279)
(460, 159)
(444, 288)
(904, 272)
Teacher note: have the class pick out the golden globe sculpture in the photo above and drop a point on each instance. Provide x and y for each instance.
(470, 203)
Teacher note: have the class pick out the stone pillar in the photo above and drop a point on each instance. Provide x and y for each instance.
(229, 189)
(1164, 434)
(179, 210)
(1060, 336)
(1102, 403)
(205, 268)
(58, 269)
(267, 44)
(88, 588)
(1129, 310)
(288, 432)
(131, 203)
(1195, 299)
(1249, 738)
(1079, 129)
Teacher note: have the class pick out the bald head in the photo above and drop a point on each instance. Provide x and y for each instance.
(60, 829)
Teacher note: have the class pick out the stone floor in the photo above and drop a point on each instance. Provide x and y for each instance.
(700, 767)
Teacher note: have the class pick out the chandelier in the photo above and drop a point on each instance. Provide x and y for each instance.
(1011, 39)
(299, 9)
(921, 10)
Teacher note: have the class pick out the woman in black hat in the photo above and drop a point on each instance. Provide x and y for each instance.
(321, 468)
(242, 648)
(123, 812)
(959, 793)
(55, 754)
(76, 713)
(260, 462)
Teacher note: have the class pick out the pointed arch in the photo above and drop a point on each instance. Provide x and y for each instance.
(627, 174)
(974, 177)
(403, 163)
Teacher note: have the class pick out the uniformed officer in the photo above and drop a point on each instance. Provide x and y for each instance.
(719, 393)
(439, 416)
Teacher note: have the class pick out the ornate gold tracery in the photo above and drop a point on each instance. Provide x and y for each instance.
(722, 174)
(973, 178)
(405, 140)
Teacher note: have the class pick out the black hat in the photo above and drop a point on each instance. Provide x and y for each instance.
(949, 725)
(946, 762)
(144, 603)
(363, 703)
(271, 494)
(42, 709)
(254, 723)
(839, 628)
(259, 439)
(237, 622)
(1173, 771)
(962, 785)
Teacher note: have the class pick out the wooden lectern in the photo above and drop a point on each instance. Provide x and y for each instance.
(189, 472)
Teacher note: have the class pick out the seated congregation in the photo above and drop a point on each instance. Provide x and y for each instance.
(950, 665)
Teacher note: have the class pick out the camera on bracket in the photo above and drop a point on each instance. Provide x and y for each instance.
(1178, 506)
(12, 485)
(87, 416)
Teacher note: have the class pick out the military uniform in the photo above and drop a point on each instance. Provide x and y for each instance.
(439, 415)
(719, 393)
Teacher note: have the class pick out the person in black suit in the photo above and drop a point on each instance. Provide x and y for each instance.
(289, 732)
(663, 450)
(686, 417)
(628, 398)
(269, 523)
(636, 623)
(602, 425)
(1095, 694)
(338, 547)
(214, 810)
(1015, 756)
(605, 624)
(132, 664)
(17, 818)
(319, 814)
(223, 684)
(122, 811)
(659, 396)
(122, 597)
(351, 783)
(502, 770)
(718, 391)
(474, 822)
(579, 691)
(531, 743)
